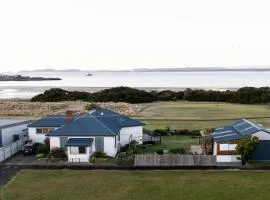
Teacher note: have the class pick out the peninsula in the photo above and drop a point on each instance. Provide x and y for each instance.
(26, 78)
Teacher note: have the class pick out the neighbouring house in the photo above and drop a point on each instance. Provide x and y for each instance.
(82, 135)
(225, 140)
(12, 130)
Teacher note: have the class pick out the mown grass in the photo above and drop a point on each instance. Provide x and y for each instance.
(170, 142)
(199, 115)
(135, 185)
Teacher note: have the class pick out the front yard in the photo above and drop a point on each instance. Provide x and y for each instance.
(131, 185)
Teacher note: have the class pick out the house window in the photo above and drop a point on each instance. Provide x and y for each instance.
(73, 150)
(39, 130)
(44, 130)
(227, 147)
(82, 150)
(63, 141)
(77, 150)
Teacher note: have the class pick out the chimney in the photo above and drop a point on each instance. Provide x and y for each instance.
(69, 115)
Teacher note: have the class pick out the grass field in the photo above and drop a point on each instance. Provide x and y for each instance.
(132, 185)
(190, 115)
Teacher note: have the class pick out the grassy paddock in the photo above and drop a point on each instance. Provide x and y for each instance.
(132, 185)
(189, 115)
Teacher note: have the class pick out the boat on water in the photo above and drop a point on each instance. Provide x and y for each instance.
(89, 74)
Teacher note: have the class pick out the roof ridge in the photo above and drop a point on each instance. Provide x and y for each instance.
(68, 123)
(103, 124)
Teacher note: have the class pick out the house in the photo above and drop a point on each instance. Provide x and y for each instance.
(82, 135)
(12, 130)
(225, 140)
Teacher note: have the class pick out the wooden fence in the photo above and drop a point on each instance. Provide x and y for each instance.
(8, 151)
(174, 160)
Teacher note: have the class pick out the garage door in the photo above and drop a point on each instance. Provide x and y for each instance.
(262, 151)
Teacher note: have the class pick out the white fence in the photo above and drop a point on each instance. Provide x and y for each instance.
(174, 160)
(8, 151)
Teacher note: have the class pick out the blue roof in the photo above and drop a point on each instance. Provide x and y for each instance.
(236, 130)
(79, 142)
(102, 122)
(51, 121)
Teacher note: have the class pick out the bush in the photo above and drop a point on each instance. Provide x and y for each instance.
(149, 142)
(47, 144)
(41, 149)
(178, 151)
(40, 155)
(245, 95)
(160, 151)
(58, 153)
(124, 148)
(99, 154)
(91, 106)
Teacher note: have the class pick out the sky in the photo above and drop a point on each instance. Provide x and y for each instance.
(127, 34)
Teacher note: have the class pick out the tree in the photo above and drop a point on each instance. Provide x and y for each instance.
(245, 147)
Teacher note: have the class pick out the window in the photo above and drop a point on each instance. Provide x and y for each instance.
(77, 150)
(39, 130)
(82, 150)
(63, 141)
(44, 130)
(73, 150)
(227, 147)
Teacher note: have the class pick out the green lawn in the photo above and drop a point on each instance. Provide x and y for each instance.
(139, 185)
(170, 142)
(189, 115)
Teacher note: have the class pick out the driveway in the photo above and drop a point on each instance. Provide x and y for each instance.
(6, 173)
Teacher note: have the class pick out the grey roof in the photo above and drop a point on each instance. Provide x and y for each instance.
(79, 142)
(102, 122)
(5, 123)
(236, 130)
(51, 121)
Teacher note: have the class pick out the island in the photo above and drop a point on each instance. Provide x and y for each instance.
(26, 78)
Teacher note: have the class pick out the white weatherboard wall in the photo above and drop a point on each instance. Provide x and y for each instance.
(136, 132)
(225, 158)
(7, 133)
(109, 146)
(37, 137)
(54, 142)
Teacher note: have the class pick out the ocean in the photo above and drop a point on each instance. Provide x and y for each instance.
(216, 80)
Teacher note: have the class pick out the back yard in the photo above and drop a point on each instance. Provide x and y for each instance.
(171, 142)
(132, 185)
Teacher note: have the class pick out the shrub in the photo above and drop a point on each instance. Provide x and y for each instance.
(91, 106)
(47, 144)
(41, 149)
(178, 151)
(160, 151)
(99, 154)
(124, 148)
(149, 142)
(58, 153)
(40, 155)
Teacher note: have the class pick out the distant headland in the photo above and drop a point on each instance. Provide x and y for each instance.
(26, 78)
(179, 69)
